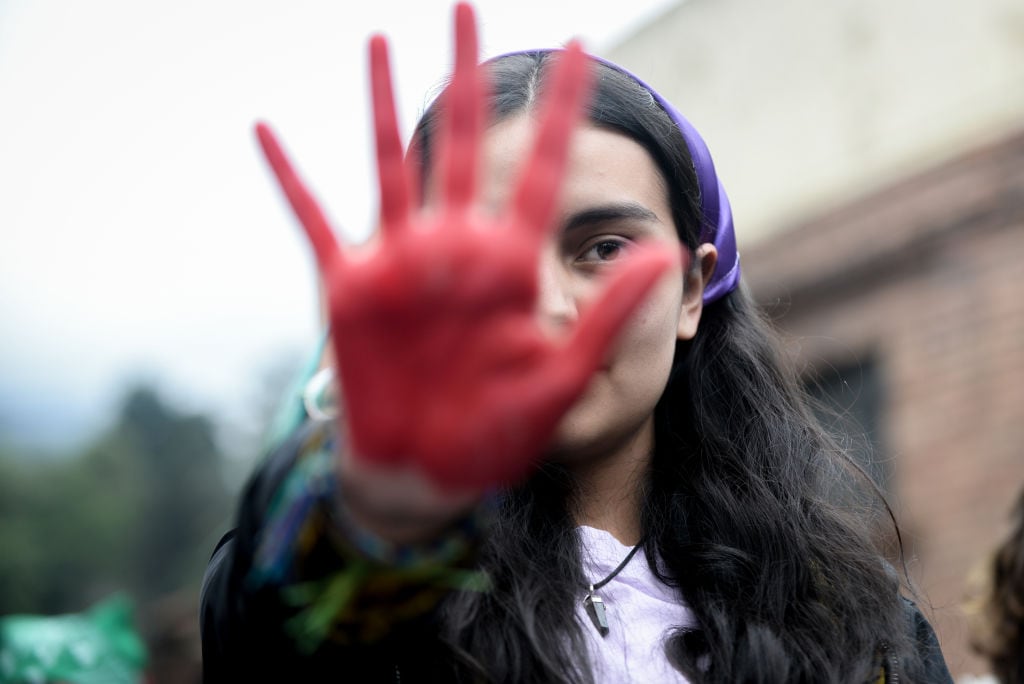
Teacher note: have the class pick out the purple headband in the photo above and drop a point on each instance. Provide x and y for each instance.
(717, 228)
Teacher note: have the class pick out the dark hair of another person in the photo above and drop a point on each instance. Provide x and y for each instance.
(785, 585)
(998, 629)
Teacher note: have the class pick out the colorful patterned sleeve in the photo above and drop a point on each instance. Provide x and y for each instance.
(296, 579)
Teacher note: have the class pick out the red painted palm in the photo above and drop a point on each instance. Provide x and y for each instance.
(442, 363)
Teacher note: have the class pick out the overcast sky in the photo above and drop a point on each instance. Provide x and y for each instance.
(140, 234)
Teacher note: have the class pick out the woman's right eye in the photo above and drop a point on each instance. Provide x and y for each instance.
(602, 250)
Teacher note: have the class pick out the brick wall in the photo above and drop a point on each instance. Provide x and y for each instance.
(925, 277)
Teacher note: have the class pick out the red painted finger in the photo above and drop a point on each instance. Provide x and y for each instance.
(462, 116)
(325, 246)
(537, 192)
(603, 319)
(394, 188)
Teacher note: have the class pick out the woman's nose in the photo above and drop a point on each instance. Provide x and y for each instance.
(556, 301)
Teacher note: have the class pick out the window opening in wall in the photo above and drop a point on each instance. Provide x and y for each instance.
(847, 400)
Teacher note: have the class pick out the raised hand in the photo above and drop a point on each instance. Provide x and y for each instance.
(441, 362)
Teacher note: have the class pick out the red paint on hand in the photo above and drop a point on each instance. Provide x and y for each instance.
(441, 362)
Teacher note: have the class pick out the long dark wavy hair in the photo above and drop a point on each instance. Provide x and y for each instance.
(785, 584)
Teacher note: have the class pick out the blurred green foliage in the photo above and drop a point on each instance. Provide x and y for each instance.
(138, 509)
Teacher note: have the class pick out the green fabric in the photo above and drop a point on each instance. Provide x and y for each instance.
(98, 646)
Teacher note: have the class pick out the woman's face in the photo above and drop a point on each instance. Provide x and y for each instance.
(613, 196)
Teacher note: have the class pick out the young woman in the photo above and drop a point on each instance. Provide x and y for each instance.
(568, 451)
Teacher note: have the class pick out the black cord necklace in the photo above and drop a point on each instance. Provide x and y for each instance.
(593, 603)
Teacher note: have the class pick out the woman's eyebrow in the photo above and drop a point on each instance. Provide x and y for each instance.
(617, 211)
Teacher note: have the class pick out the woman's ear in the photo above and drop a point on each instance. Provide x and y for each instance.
(695, 279)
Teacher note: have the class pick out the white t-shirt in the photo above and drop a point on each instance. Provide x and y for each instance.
(642, 613)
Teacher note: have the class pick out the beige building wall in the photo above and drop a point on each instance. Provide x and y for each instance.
(808, 103)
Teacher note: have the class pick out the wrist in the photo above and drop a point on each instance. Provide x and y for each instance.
(398, 504)
(383, 512)
(405, 537)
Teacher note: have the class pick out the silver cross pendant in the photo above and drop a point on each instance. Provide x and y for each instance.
(595, 609)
